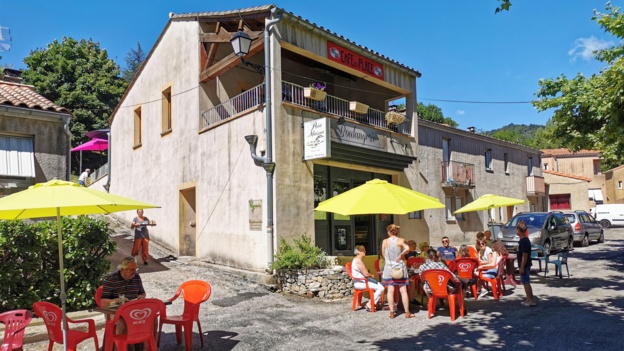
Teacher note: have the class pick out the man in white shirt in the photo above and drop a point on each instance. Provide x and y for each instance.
(82, 180)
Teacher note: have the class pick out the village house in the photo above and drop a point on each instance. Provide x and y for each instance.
(239, 150)
(34, 136)
(613, 183)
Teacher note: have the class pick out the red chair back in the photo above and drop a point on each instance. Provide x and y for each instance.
(194, 293)
(438, 280)
(98, 296)
(15, 323)
(473, 252)
(466, 267)
(377, 265)
(451, 265)
(415, 260)
(139, 316)
(52, 316)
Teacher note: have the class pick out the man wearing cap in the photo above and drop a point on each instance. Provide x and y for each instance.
(82, 180)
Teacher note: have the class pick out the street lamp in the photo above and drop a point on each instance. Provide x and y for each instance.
(241, 43)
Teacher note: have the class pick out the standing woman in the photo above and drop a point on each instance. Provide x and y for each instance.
(141, 235)
(394, 250)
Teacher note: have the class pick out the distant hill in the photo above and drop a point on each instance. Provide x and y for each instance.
(522, 131)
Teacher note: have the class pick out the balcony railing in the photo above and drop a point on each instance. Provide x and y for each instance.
(98, 173)
(293, 94)
(458, 174)
(535, 186)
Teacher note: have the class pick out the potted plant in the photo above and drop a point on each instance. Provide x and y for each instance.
(395, 118)
(316, 91)
(358, 107)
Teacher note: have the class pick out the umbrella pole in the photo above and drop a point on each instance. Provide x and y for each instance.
(80, 169)
(63, 296)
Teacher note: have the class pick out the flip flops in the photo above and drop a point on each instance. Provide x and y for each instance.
(525, 304)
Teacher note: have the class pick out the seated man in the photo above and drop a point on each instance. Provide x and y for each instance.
(447, 251)
(126, 281)
(433, 262)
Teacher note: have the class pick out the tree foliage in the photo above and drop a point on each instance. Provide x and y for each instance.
(433, 113)
(79, 76)
(504, 6)
(589, 111)
(134, 60)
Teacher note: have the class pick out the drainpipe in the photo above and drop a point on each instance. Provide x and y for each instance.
(269, 130)
(108, 161)
(66, 121)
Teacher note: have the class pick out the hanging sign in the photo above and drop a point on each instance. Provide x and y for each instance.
(350, 59)
(316, 141)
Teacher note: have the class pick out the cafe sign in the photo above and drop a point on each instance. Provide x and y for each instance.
(358, 135)
(352, 60)
(316, 143)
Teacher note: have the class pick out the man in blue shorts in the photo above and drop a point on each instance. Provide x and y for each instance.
(524, 262)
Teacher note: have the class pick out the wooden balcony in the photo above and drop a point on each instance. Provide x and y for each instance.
(535, 186)
(458, 175)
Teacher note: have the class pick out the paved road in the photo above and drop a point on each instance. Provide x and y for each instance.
(583, 312)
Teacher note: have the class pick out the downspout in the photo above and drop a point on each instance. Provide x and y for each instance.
(66, 121)
(108, 162)
(269, 130)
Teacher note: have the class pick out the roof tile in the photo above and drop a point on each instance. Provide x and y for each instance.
(566, 152)
(22, 95)
(567, 175)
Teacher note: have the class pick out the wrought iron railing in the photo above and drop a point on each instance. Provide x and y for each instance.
(293, 94)
(458, 173)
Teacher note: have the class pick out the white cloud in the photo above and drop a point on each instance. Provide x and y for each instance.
(461, 112)
(585, 47)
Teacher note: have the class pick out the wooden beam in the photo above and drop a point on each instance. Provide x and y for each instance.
(213, 50)
(225, 37)
(228, 62)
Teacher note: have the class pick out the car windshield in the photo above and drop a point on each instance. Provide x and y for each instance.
(571, 217)
(532, 220)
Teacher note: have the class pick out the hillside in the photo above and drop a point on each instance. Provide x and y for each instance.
(526, 132)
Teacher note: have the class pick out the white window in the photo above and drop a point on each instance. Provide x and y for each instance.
(620, 185)
(17, 157)
(530, 166)
(458, 205)
(488, 159)
(453, 204)
(448, 202)
(546, 166)
(506, 158)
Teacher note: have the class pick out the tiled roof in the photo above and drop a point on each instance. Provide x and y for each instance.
(566, 152)
(567, 175)
(21, 95)
(268, 8)
(615, 169)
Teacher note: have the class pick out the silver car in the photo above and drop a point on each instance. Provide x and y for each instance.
(584, 227)
(548, 229)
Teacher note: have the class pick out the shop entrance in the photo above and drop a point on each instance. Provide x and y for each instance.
(338, 234)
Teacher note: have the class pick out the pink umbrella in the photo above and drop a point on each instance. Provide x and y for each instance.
(93, 145)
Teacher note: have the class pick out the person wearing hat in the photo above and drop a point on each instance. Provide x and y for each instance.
(82, 180)
(423, 246)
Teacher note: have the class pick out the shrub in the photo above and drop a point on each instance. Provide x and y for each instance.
(302, 254)
(29, 261)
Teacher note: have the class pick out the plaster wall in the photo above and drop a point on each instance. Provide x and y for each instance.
(613, 179)
(578, 190)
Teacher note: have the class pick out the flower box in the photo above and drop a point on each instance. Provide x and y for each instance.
(358, 107)
(394, 118)
(314, 94)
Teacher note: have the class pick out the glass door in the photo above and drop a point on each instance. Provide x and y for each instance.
(341, 225)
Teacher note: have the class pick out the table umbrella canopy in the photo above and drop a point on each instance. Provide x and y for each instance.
(379, 196)
(489, 201)
(92, 145)
(58, 198)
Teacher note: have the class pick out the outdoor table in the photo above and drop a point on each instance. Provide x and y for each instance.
(510, 269)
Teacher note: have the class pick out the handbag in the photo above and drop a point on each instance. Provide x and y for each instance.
(396, 272)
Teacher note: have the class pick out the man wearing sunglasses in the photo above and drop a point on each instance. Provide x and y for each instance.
(447, 251)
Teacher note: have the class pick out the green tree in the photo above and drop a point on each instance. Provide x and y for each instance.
(134, 60)
(504, 6)
(79, 76)
(509, 135)
(433, 113)
(589, 111)
(545, 138)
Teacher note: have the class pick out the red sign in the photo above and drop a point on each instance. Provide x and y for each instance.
(357, 62)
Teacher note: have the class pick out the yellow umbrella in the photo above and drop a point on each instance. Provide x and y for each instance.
(379, 196)
(489, 201)
(58, 198)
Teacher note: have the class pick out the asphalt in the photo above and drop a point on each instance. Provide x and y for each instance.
(585, 311)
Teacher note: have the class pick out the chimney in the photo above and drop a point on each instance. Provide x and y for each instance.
(12, 76)
(470, 129)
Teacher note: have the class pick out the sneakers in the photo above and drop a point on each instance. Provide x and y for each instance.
(483, 293)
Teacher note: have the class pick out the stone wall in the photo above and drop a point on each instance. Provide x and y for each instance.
(327, 284)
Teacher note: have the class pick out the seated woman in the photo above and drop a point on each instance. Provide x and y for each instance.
(463, 252)
(485, 252)
(423, 246)
(434, 261)
(490, 269)
(359, 271)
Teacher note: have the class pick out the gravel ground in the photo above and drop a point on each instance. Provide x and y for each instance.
(585, 311)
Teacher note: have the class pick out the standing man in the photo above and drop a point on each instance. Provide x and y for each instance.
(524, 262)
(141, 235)
(447, 251)
(82, 180)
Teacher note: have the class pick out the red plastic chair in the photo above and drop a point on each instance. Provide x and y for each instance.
(415, 262)
(194, 292)
(498, 283)
(52, 316)
(108, 329)
(139, 317)
(15, 323)
(438, 280)
(473, 253)
(451, 265)
(466, 270)
(380, 277)
(357, 294)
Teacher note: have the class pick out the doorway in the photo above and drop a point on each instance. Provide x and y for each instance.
(187, 224)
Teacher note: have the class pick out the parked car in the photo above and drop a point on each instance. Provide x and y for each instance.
(584, 227)
(609, 214)
(548, 229)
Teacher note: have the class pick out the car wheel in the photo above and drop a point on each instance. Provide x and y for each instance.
(601, 237)
(605, 223)
(547, 248)
(585, 241)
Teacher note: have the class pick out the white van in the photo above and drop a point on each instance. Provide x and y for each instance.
(609, 214)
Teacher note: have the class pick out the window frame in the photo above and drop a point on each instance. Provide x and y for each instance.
(166, 110)
(488, 160)
(138, 128)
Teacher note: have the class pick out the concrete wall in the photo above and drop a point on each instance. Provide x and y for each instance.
(614, 194)
(578, 190)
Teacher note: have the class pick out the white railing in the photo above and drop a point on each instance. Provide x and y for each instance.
(98, 173)
(293, 94)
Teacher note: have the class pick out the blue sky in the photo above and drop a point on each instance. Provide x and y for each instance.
(464, 51)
